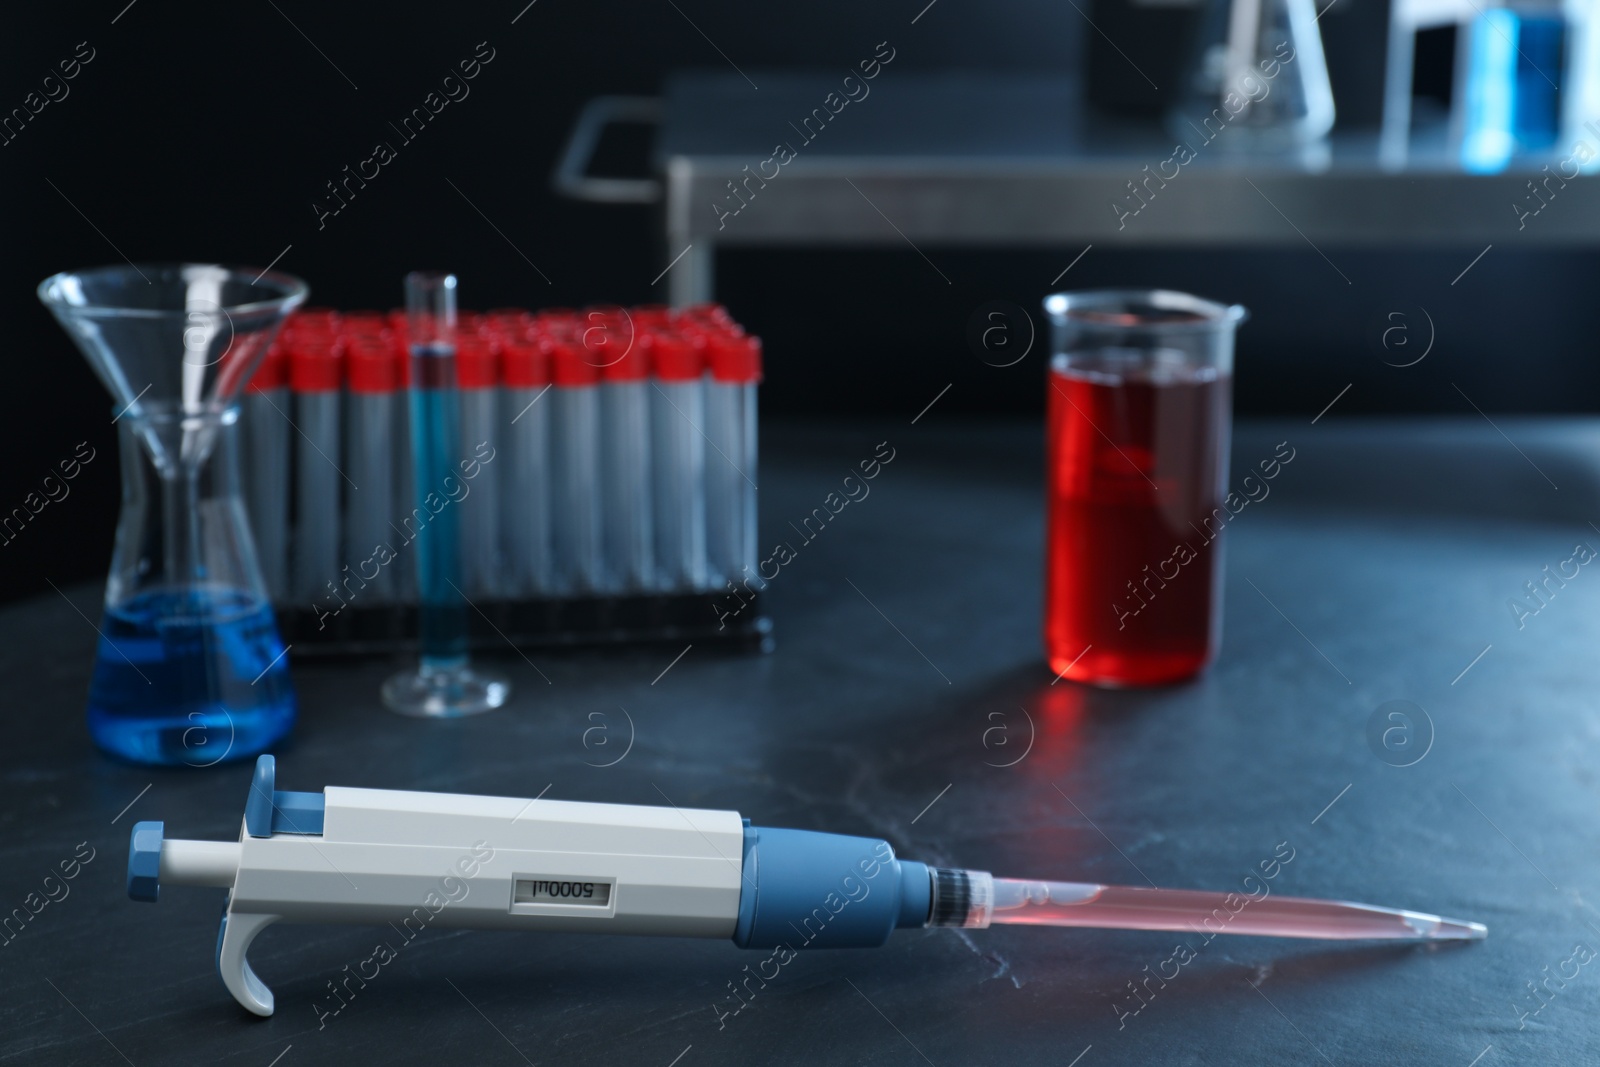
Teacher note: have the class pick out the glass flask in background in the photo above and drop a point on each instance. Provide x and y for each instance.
(1257, 79)
(1140, 401)
(190, 668)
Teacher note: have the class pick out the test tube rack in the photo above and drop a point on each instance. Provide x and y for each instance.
(605, 491)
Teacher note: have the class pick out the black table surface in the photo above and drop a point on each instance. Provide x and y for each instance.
(907, 675)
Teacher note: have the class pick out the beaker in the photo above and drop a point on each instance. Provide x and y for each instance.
(1140, 385)
(1257, 79)
(190, 668)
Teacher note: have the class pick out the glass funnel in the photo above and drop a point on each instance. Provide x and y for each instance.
(190, 668)
(185, 333)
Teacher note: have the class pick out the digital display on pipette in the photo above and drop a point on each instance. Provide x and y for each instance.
(560, 891)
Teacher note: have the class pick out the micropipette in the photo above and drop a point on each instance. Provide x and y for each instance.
(376, 855)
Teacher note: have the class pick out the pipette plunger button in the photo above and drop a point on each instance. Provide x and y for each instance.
(144, 861)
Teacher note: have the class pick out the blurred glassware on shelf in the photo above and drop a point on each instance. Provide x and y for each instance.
(1257, 80)
(1525, 82)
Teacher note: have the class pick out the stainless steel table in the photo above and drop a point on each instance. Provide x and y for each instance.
(965, 160)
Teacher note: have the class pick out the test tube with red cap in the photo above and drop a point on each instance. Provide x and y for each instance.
(710, 315)
(510, 324)
(477, 387)
(556, 322)
(372, 377)
(405, 464)
(575, 496)
(625, 455)
(363, 324)
(266, 439)
(313, 322)
(316, 376)
(678, 455)
(525, 488)
(734, 368)
(654, 316)
(470, 324)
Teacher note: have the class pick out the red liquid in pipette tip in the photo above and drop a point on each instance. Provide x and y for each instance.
(1138, 459)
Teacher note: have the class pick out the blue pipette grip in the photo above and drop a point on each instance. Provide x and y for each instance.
(807, 889)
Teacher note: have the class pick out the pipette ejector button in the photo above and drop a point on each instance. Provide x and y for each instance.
(144, 861)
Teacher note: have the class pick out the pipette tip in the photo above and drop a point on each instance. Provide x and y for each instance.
(1440, 929)
(1079, 904)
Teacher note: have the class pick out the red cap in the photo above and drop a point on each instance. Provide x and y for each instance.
(476, 365)
(612, 344)
(564, 329)
(708, 313)
(654, 314)
(300, 326)
(675, 357)
(273, 373)
(372, 365)
(315, 366)
(525, 364)
(364, 322)
(314, 316)
(570, 365)
(508, 323)
(556, 320)
(632, 366)
(734, 358)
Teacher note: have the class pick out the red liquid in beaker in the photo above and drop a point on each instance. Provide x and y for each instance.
(1138, 462)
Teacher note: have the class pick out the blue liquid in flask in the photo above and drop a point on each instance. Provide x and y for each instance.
(190, 677)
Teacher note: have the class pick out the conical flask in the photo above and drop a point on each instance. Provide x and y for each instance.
(1257, 79)
(190, 667)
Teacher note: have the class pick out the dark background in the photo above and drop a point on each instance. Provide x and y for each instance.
(204, 132)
